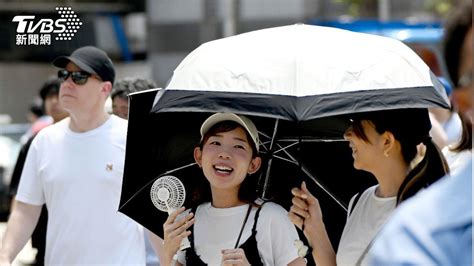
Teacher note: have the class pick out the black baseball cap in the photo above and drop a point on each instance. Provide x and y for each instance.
(91, 60)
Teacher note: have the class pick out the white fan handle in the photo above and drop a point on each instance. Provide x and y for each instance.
(185, 242)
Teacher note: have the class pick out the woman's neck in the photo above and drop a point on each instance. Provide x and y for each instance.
(390, 178)
(225, 198)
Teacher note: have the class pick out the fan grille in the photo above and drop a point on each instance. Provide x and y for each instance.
(167, 193)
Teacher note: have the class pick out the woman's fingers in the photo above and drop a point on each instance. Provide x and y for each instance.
(234, 257)
(301, 203)
(298, 193)
(183, 235)
(303, 213)
(181, 222)
(310, 199)
(173, 215)
(179, 227)
(296, 219)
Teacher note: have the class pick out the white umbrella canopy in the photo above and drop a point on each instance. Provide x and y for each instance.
(303, 60)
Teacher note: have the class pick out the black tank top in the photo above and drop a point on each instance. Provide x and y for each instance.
(249, 246)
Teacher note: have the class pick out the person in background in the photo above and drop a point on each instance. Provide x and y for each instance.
(49, 95)
(75, 167)
(435, 227)
(122, 89)
(383, 143)
(119, 95)
(460, 153)
(38, 119)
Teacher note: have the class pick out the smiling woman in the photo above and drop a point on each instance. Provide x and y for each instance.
(383, 143)
(222, 228)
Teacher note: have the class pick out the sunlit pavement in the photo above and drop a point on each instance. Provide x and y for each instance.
(26, 256)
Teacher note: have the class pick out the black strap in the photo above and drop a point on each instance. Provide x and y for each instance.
(191, 237)
(243, 225)
(254, 228)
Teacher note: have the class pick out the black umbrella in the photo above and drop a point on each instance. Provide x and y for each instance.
(280, 78)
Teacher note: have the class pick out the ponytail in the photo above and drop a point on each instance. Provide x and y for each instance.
(429, 170)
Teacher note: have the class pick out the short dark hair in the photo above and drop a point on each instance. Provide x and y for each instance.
(50, 86)
(124, 87)
(456, 27)
(37, 110)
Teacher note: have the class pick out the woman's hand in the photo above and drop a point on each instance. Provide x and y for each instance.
(305, 212)
(234, 257)
(175, 231)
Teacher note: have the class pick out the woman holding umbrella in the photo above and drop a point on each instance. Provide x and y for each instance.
(229, 228)
(384, 143)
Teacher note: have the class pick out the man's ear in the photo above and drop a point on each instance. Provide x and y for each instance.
(254, 165)
(198, 156)
(107, 87)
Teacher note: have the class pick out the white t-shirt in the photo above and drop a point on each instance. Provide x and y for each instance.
(369, 215)
(79, 177)
(216, 229)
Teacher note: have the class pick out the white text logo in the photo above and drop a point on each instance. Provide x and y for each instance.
(38, 32)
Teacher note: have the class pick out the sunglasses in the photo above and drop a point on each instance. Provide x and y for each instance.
(78, 77)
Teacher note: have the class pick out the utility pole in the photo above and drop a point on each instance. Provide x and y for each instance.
(384, 10)
(230, 18)
(209, 30)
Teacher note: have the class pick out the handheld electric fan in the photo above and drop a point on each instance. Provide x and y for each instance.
(168, 194)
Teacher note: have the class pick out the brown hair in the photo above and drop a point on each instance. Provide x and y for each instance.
(456, 28)
(465, 143)
(410, 127)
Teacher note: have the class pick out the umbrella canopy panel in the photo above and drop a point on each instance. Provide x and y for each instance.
(304, 60)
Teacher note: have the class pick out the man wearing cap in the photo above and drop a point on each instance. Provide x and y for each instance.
(75, 167)
(49, 95)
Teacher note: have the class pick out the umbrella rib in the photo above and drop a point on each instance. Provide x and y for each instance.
(267, 174)
(284, 148)
(316, 181)
(154, 179)
(313, 140)
(324, 189)
(272, 140)
(284, 159)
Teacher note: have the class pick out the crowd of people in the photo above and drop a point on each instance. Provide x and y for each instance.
(68, 179)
